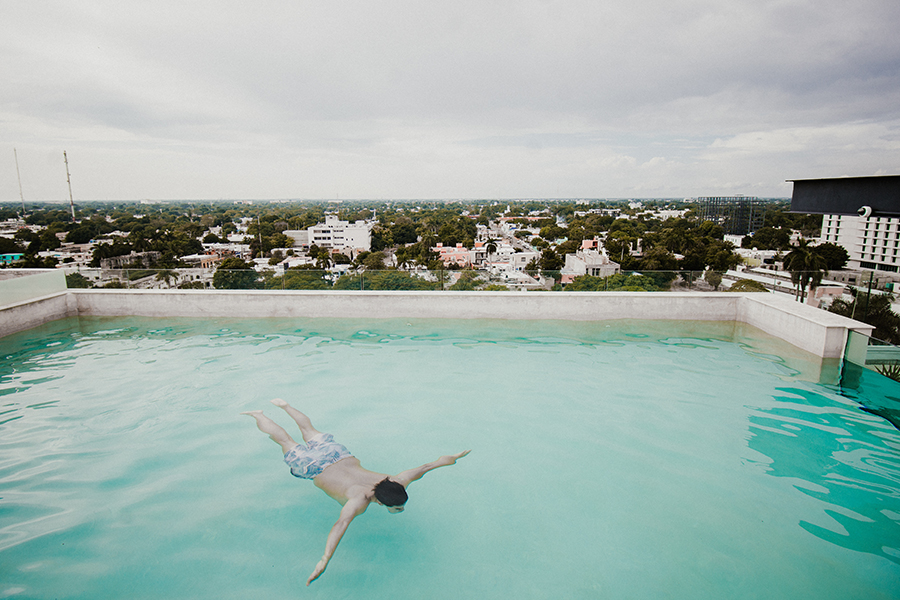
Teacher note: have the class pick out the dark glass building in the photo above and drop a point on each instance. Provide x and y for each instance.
(738, 215)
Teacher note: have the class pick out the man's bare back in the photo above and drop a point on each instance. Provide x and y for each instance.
(342, 479)
(339, 474)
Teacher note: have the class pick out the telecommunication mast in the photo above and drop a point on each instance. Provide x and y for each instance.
(69, 181)
(19, 177)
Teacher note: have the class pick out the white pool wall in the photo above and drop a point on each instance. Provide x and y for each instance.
(813, 330)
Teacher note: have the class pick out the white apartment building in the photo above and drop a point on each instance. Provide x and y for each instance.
(342, 236)
(590, 262)
(872, 242)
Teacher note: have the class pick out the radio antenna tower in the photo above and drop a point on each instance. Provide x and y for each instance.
(19, 177)
(69, 181)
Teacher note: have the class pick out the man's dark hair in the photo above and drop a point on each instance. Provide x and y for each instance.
(390, 493)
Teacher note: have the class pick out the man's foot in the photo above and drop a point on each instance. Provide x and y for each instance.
(279, 402)
(253, 413)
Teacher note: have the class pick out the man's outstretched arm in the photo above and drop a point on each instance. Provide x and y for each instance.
(410, 475)
(350, 511)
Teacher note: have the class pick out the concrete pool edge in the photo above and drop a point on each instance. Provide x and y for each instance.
(816, 331)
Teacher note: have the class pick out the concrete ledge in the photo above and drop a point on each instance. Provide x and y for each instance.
(813, 330)
(580, 306)
(35, 312)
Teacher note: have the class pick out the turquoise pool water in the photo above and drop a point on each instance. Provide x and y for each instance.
(609, 460)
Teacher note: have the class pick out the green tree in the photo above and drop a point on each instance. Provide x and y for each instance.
(404, 232)
(373, 261)
(304, 277)
(835, 256)
(382, 280)
(49, 241)
(77, 280)
(8, 246)
(550, 260)
(874, 309)
(167, 275)
(468, 281)
(235, 274)
(619, 282)
(380, 239)
(713, 278)
(769, 238)
(659, 259)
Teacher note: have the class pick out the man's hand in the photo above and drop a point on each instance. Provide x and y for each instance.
(320, 568)
(408, 476)
(452, 458)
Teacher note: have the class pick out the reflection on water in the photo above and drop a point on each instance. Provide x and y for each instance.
(842, 456)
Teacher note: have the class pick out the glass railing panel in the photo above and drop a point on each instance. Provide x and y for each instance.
(21, 286)
(347, 277)
(871, 376)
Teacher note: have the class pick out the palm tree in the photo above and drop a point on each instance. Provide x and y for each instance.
(490, 247)
(167, 276)
(807, 267)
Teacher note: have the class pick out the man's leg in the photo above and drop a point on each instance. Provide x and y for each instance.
(272, 429)
(302, 421)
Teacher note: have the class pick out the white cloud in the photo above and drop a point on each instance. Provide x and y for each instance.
(376, 99)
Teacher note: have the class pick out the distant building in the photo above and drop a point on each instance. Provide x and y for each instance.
(341, 236)
(591, 259)
(862, 214)
(738, 215)
(457, 255)
(208, 260)
(6, 259)
(120, 262)
(300, 237)
(872, 242)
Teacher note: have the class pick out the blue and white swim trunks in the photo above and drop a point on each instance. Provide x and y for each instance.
(307, 461)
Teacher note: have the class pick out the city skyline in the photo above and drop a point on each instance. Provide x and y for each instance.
(354, 100)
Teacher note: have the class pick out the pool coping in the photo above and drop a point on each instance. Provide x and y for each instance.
(814, 330)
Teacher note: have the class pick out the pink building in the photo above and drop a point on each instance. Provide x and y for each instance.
(458, 255)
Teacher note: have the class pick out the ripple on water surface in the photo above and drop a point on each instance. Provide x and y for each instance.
(650, 460)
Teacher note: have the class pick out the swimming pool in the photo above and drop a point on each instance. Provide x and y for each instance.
(609, 459)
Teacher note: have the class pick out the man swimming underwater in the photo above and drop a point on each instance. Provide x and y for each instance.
(338, 473)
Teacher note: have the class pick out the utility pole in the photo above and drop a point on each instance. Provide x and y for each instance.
(868, 295)
(19, 177)
(69, 181)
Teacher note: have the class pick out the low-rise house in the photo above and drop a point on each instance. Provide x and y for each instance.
(6, 259)
(591, 259)
(457, 255)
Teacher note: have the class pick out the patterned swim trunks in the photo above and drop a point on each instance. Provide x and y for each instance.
(310, 460)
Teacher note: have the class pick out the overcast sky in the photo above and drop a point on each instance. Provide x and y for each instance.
(469, 99)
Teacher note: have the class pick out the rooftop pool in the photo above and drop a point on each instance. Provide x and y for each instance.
(610, 459)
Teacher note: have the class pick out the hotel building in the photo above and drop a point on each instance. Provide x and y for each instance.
(872, 242)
